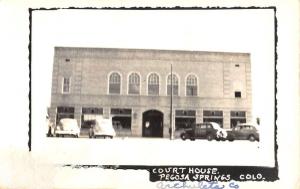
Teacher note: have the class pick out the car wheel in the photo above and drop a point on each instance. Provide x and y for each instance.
(251, 138)
(183, 136)
(111, 137)
(192, 139)
(210, 137)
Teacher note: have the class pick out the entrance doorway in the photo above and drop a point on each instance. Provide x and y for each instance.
(153, 123)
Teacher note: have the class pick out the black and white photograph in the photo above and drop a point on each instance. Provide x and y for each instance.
(174, 97)
(155, 82)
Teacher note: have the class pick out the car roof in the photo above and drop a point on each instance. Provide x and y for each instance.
(246, 124)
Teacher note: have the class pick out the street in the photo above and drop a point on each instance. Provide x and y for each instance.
(150, 151)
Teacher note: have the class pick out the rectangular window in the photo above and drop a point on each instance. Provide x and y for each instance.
(237, 94)
(89, 116)
(92, 110)
(184, 119)
(237, 117)
(153, 89)
(121, 119)
(66, 85)
(120, 111)
(213, 116)
(237, 113)
(191, 90)
(64, 112)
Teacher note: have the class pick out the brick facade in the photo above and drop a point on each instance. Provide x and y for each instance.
(219, 76)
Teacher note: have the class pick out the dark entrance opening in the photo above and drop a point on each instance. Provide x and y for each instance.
(153, 123)
(121, 119)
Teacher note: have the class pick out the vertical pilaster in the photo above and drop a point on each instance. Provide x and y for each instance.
(226, 119)
(248, 116)
(77, 114)
(166, 129)
(136, 122)
(52, 114)
(199, 115)
(106, 112)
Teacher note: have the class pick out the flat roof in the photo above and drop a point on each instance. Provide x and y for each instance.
(127, 53)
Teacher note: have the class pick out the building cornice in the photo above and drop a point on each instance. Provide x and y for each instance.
(152, 54)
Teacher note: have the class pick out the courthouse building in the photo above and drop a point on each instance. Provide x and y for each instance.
(133, 87)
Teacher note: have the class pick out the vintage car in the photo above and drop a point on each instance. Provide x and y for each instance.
(244, 131)
(102, 128)
(67, 127)
(207, 130)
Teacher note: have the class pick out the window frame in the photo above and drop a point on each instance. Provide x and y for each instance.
(237, 94)
(186, 78)
(128, 83)
(108, 82)
(178, 85)
(147, 88)
(63, 85)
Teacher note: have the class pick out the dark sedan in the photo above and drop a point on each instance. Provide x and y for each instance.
(200, 131)
(243, 132)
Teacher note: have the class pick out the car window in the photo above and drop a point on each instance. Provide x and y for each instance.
(202, 126)
(247, 127)
(237, 128)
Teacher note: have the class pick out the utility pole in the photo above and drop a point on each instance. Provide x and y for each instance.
(171, 108)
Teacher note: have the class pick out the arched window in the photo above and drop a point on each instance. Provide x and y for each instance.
(191, 85)
(174, 84)
(153, 84)
(134, 84)
(114, 83)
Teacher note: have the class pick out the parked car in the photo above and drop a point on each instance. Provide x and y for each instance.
(207, 130)
(67, 126)
(102, 128)
(244, 131)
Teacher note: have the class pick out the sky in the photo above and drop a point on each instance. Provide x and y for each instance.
(250, 31)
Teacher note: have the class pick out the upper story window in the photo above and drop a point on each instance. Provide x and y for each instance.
(134, 84)
(174, 83)
(237, 94)
(66, 85)
(153, 84)
(191, 85)
(114, 83)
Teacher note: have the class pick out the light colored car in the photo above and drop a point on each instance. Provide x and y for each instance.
(102, 128)
(221, 133)
(67, 126)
